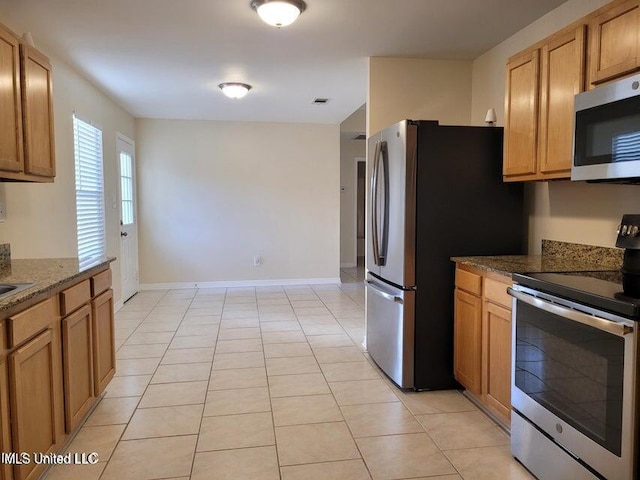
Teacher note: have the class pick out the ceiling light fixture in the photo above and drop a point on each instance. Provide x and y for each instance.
(279, 13)
(234, 89)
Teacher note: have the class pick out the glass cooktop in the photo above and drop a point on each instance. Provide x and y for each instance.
(601, 289)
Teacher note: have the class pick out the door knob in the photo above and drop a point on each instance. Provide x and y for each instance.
(123, 234)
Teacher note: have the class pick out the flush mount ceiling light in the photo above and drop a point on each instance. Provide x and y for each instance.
(234, 89)
(279, 13)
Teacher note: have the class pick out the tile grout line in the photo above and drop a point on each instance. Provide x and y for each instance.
(206, 393)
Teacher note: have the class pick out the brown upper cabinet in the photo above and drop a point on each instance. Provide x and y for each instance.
(11, 154)
(543, 79)
(540, 85)
(615, 41)
(26, 108)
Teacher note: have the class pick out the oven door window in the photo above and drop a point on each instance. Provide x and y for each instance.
(574, 371)
(608, 133)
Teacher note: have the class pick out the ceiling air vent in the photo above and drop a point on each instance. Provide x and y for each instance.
(360, 136)
(320, 101)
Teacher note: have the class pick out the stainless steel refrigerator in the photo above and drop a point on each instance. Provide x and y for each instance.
(433, 192)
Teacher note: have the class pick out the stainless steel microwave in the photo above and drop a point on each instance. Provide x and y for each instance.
(606, 137)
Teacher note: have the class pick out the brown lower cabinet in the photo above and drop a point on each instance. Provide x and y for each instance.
(77, 356)
(35, 400)
(467, 361)
(6, 472)
(482, 338)
(104, 349)
(56, 357)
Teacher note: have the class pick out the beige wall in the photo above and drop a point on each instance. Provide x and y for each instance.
(562, 210)
(212, 195)
(419, 89)
(41, 218)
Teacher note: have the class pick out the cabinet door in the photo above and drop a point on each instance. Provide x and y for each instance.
(104, 351)
(496, 359)
(11, 156)
(34, 400)
(77, 366)
(614, 42)
(563, 71)
(37, 113)
(521, 115)
(467, 340)
(5, 425)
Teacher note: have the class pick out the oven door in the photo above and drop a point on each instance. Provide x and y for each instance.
(574, 377)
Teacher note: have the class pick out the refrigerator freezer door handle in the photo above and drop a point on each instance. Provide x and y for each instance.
(374, 205)
(388, 296)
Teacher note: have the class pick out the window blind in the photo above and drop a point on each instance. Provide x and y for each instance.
(89, 190)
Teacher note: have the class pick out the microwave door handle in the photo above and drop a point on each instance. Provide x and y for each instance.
(374, 205)
(602, 324)
(384, 153)
(383, 294)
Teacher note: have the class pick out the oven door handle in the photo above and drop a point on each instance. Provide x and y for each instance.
(603, 324)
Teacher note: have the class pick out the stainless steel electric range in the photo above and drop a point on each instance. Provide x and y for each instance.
(574, 376)
(574, 388)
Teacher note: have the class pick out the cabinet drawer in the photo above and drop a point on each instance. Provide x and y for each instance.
(26, 324)
(468, 281)
(74, 297)
(496, 292)
(100, 282)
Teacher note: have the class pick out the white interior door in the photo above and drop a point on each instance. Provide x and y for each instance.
(128, 218)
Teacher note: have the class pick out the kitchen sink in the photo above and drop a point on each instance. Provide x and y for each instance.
(7, 289)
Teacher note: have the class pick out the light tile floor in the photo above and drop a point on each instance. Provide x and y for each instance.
(272, 383)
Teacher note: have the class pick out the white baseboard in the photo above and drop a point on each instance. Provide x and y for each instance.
(348, 265)
(239, 283)
(118, 305)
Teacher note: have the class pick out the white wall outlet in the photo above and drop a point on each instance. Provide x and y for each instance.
(257, 261)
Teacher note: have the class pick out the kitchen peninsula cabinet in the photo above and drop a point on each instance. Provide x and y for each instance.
(482, 338)
(27, 151)
(614, 50)
(540, 86)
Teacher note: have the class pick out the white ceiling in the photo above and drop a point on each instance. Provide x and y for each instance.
(165, 58)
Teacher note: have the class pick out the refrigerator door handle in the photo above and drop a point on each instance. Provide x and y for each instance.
(383, 294)
(384, 153)
(374, 205)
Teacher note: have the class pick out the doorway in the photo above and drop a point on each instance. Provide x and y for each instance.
(361, 172)
(129, 275)
(360, 189)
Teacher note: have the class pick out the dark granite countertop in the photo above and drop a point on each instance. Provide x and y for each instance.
(510, 264)
(556, 256)
(46, 274)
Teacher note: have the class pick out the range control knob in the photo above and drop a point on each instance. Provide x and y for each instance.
(634, 230)
(623, 231)
(618, 229)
